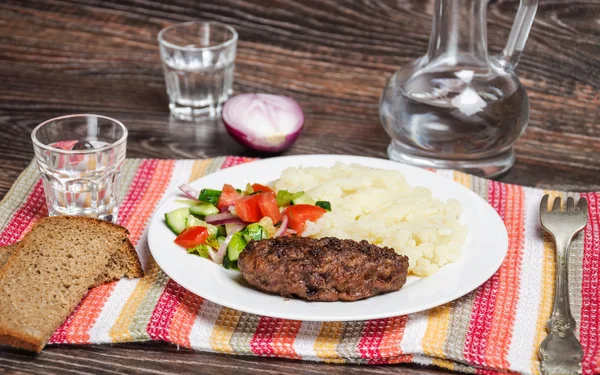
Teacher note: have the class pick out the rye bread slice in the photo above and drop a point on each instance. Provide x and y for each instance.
(121, 264)
(51, 270)
(5, 252)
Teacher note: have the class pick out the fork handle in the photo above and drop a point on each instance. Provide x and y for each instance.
(561, 321)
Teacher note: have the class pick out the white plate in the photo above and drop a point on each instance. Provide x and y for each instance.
(484, 251)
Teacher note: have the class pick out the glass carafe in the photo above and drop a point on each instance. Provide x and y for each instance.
(458, 106)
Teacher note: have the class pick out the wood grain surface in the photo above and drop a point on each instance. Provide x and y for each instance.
(61, 57)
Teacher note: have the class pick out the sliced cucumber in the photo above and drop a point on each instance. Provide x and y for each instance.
(193, 221)
(204, 209)
(176, 219)
(302, 199)
(236, 246)
(230, 265)
(254, 232)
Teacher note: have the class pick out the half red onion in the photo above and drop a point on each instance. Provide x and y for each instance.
(282, 227)
(263, 122)
(223, 218)
(190, 191)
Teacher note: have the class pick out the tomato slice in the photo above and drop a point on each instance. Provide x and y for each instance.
(299, 214)
(268, 206)
(192, 236)
(228, 197)
(247, 208)
(261, 188)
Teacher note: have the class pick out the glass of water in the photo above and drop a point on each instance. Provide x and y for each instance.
(79, 157)
(198, 61)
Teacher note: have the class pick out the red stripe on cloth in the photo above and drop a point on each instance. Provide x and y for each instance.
(164, 311)
(262, 341)
(184, 318)
(85, 317)
(24, 215)
(137, 189)
(485, 300)
(389, 346)
(371, 337)
(590, 289)
(509, 276)
(60, 336)
(231, 161)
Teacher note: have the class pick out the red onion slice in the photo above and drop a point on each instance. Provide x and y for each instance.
(220, 255)
(282, 227)
(190, 191)
(223, 218)
(233, 228)
(263, 122)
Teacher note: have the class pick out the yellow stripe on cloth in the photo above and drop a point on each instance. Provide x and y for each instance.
(225, 325)
(199, 169)
(328, 340)
(120, 330)
(436, 332)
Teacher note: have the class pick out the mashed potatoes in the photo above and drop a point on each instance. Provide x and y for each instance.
(381, 207)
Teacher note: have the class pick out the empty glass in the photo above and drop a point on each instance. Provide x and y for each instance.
(79, 157)
(198, 62)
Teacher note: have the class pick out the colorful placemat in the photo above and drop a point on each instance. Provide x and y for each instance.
(496, 328)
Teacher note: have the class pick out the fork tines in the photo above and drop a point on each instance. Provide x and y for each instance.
(557, 204)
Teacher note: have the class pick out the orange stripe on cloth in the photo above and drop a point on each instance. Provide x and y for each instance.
(328, 340)
(547, 292)
(136, 224)
(507, 296)
(225, 325)
(86, 315)
(284, 337)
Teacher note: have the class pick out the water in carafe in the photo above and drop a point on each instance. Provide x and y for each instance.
(457, 107)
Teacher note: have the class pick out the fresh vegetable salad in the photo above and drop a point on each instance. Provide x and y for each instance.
(218, 224)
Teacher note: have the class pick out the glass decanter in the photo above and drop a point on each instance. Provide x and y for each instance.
(459, 107)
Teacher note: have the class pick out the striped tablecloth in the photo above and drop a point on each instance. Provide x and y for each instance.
(496, 328)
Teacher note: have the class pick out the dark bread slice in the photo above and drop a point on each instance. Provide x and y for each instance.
(51, 270)
(5, 252)
(121, 264)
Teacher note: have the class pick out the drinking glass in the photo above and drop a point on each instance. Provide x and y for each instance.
(198, 62)
(79, 157)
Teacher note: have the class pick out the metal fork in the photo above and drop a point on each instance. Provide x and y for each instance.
(561, 352)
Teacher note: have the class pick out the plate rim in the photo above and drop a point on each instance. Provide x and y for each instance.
(170, 195)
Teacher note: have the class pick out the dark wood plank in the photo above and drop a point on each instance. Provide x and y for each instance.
(71, 56)
(160, 358)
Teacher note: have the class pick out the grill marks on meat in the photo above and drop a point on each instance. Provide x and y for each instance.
(326, 269)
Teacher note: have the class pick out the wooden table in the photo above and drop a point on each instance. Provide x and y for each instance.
(60, 57)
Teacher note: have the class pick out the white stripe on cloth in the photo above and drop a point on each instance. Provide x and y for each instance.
(304, 344)
(415, 329)
(100, 331)
(524, 328)
(204, 325)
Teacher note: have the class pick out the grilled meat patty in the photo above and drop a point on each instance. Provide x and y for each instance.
(326, 269)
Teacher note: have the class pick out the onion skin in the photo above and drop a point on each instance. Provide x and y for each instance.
(242, 139)
(247, 135)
